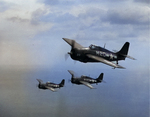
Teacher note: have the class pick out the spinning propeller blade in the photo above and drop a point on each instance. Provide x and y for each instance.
(66, 56)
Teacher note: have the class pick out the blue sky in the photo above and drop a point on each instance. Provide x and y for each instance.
(31, 47)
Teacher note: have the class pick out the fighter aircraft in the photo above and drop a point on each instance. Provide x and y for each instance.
(49, 85)
(86, 80)
(95, 53)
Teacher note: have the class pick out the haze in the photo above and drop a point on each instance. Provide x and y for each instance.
(31, 47)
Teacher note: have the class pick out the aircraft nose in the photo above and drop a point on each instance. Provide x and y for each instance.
(39, 86)
(69, 53)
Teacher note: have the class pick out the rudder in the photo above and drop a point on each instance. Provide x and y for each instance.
(100, 78)
(124, 49)
(62, 83)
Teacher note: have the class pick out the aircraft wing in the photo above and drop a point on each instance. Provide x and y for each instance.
(50, 88)
(70, 42)
(71, 72)
(100, 59)
(39, 80)
(87, 84)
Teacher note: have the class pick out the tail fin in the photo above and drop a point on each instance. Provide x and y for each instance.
(100, 78)
(62, 83)
(124, 50)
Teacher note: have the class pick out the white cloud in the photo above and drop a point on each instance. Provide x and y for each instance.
(18, 24)
(23, 20)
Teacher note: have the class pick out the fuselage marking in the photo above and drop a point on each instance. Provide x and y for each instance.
(104, 54)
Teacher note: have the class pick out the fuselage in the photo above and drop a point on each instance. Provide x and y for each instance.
(84, 79)
(42, 86)
(81, 54)
(53, 85)
(48, 84)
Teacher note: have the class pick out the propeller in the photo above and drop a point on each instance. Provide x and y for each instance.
(66, 56)
(72, 48)
(69, 80)
(38, 85)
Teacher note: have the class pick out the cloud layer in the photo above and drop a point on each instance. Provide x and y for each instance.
(31, 47)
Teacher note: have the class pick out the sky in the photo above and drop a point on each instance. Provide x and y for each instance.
(31, 47)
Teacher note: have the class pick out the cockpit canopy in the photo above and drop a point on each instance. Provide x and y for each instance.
(93, 47)
(83, 76)
(48, 82)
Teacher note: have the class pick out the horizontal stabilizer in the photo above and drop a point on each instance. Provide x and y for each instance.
(125, 55)
(130, 57)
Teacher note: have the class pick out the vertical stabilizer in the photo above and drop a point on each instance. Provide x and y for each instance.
(124, 49)
(122, 54)
(100, 78)
(62, 83)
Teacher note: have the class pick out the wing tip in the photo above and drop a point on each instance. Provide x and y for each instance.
(39, 80)
(121, 67)
(66, 39)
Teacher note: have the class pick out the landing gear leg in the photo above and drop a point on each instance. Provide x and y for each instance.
(117, 62)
